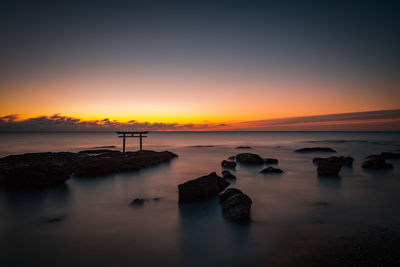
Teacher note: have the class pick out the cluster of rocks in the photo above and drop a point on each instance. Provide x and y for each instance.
(378, 162)
(235, 205)
(315, 149)
(38, 170)
(140, 201)
(330, 167)
(253, 160)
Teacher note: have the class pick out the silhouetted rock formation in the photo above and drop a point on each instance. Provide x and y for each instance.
(243, 147)
(228, 175)
(377, 163)
(232, 158)
(270, 161)
(249, 158)
(315, 149)
(138, 202)
(271, 170)
(344, 161)
(97, 151)
(36, 170)
(386, 155)
(201, 188)
(329, 169)
(228, 164)
(235, 205)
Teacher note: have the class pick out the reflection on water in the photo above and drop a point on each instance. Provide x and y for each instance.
(89, 220)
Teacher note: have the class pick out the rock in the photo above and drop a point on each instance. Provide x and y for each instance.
(228, 175)
(377, 163)
(236, 208)
(271, 170)
(138, 202)
(232, 158)
(329, 169)
(315, 149)
(386, 155)
(201, 188)
(344, 161)
(270, 161)
(373, 156)
(228, 193)
(249, 158)
(97, 151)
(228, 164)
(243, 147)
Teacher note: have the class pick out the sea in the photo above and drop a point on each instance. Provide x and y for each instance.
(90, 222)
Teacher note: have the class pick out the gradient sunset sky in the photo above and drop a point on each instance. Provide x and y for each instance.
(199, 65)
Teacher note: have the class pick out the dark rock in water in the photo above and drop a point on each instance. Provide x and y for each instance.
(249, 158)
(228, 193)
(271, 170)
(344, 161)
(270, 161)
(228, 175)
(105, 147)
(329, 169)
(243, 147)
(201, 188)
(97, 151)
(138, 202)
(156, 198)
(228, 164)
(385, 155)
(377, 163)
(200, 146)
(236, 208)
(315, 149)
(37, 170)
(232, 158)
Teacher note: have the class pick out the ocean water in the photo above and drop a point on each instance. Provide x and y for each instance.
(89, 222)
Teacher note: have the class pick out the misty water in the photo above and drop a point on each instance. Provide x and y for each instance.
(89, 222)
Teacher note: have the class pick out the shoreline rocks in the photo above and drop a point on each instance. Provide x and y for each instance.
(201, 188)
(249, 158)
(235, 205)
(315, 149)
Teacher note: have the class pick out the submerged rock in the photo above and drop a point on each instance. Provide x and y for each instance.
(201, 188)
(138, 202)
(228, 175)
(270, 161)
(243, 147)
(228, 164)
(329, 169)
(249, 158)
(344, 161)
(315, 149)
(235, 205)
(271, 170)
(377, 163)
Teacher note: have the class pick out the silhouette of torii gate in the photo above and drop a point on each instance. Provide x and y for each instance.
(132, 134)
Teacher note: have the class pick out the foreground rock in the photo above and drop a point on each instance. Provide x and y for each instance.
(228, 175)
(377, 163)
(38, 170)
(344, 161)
(249, 158)
(386, 155)
(270, 161)
(271, 170)
(201, 188)
(97, 151)
(315, 149)
(235, 205)
(329, 169)
(228, 164)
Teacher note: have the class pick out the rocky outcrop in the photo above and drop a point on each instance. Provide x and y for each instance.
(137, 202)
(228, 175)
(344, 161)
(37, 170)
(329, 169)
(232, 158)
(271, 170)
(228, 164)
(201, 188)
(243, 147)
(249, 158)
(386, 155)
(315, 149)
(235, 205)
(377, 163)
(270, 161)
(97, 151)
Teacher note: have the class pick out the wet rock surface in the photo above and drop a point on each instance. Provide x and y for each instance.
(38, 170)
(235, 205)
(228, 175)
(228, 164)
(329, 169)
(271, 170)
(377, 163)
(270, 161)
(201, 188)
(315, 149)
(249, 158)
(385, 155)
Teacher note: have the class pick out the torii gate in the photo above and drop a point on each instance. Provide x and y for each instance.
(132, 134)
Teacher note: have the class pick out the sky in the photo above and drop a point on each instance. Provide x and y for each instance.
(199, 65)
